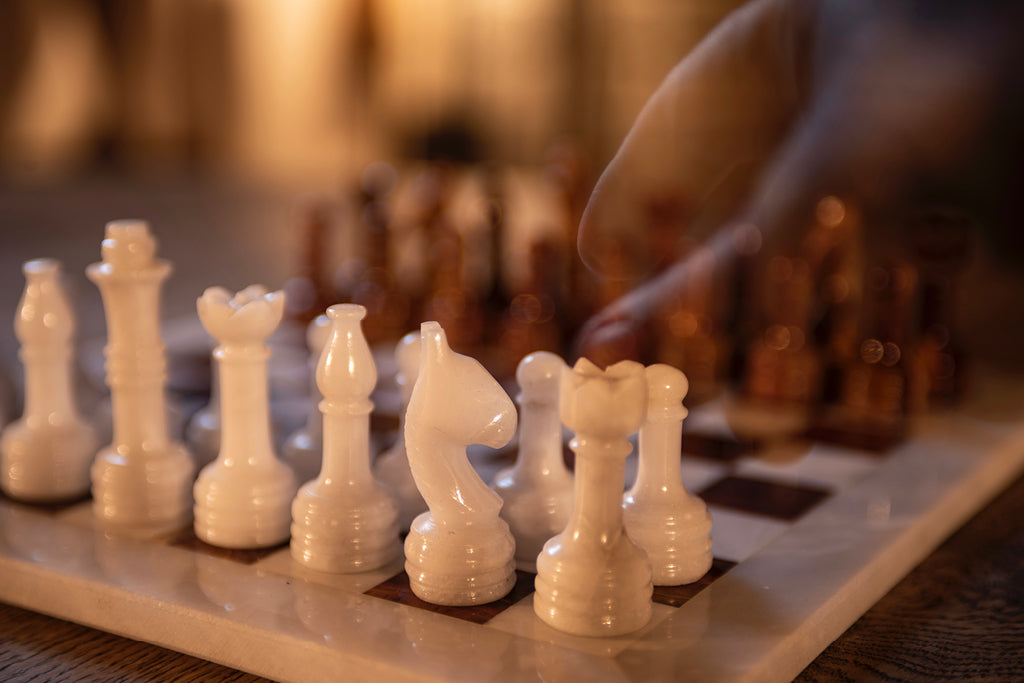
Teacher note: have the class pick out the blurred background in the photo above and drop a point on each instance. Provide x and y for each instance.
(304, 91)
(429, 159)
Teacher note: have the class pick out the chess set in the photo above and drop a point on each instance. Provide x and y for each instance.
(812, 518)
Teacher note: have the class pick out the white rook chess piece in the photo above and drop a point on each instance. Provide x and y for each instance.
(243, 497)
(392, 466)
(592, 579)
(303, 448)
(45, 456)
(673, 526)
(344, 521)
(460, 552)
(537, 490)
(141, 482)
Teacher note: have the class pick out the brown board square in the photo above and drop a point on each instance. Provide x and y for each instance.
(770, 499)
(717, 448)
(187, 539)
(676, 596)
(871, 439)
(397, 589)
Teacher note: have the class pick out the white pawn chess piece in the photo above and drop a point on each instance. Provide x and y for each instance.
(672, 525)
(537, 490)
(392, 466)
(243, 498)
(460, 552)
(141, 483)
(344, 521)
(592, 580)
(302, 450)
(45, 455)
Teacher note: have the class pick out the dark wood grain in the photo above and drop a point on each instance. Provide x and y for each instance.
(959, 616)
(39, 649)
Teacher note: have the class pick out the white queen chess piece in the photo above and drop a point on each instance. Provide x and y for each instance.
(672, 525)
(392, 466)
(45, 455)
(243, 498)
(460, 552)
(537, 490)
(592, 580)
(302, 450)
(141, 483)
(344, 521)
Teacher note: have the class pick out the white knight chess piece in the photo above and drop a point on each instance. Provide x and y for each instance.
(460, 552)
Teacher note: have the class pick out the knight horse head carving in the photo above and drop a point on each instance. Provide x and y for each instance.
(454, 403)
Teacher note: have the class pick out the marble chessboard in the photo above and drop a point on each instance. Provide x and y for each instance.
(810, 529)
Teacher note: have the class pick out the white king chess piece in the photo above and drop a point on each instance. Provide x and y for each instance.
(243, 498)
(392, 466)
(344, 521)
(460, 552)
(672, 525)
(537, 490)
(141, 483)
(302, 450)
(592, 580)
(45, 456)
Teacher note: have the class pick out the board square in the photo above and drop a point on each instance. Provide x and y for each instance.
(187, 539)
(717, 448)
(771, 499)
(51, 508)
(397, 589)
(676, 596)
(871, 440)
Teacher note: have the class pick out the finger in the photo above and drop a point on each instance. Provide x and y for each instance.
(728, 103)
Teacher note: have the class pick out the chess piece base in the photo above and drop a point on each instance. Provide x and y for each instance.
(593, 590)
(344, 532)
(144, 492)
(46, 464)
(231, 512)
(470, 565)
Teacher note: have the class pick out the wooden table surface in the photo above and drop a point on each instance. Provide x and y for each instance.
(957, 616)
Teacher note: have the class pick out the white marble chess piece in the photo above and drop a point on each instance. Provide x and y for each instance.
(243, 498)
(672, 525)
(460, 552)
(141, 483)
(592, 579)
(45, 455)
(202, 433)
(302, 450)
(344, 520)
(392, 466)
(537, 490)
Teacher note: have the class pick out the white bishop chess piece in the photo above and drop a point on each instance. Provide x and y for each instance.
(537, 490)
(672, 525)
(344, 521)
(141, 483)
(460, 552)
(45, 455)
(243, 498)
(302, 450)
(592, 580)
(392, 466)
